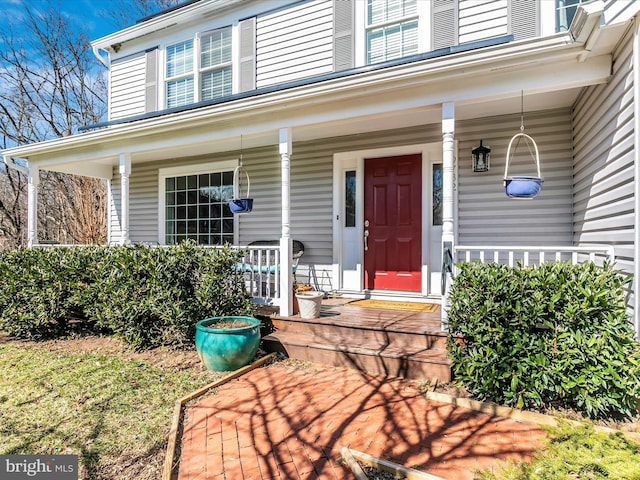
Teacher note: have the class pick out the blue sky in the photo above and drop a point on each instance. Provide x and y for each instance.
(84, 13)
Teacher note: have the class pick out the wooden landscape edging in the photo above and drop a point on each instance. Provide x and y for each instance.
(352, 457)
(167, 471)
(515, 414)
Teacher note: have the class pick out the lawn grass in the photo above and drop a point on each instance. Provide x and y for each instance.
(577, 452)
(114, 413)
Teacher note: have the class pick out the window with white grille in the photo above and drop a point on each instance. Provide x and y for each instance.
(210, 55)
(215, 64)
(391, 29)
(180, 74)
(196, 207)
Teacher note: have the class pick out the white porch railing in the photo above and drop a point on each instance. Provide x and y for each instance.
(512, 255)
(261, 269)
(530, 255)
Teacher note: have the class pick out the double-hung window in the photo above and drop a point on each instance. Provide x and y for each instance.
(196, 205)
(180, 80)
(199, 69)
(215, 64)
(391, 29)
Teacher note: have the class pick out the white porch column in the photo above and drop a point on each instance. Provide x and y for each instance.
(286, 275)
(125, 172)
(33, 178)
(636, 106)
(448, 164)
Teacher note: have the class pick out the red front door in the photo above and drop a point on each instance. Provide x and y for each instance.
(393, 223)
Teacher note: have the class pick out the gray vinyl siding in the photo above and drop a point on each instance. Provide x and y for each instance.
(544, 221)
(485, 215)
(463, 21)
(143, 205)
(127, 86)
(294, 43)
(604, 203)
(619, 10)
(311, 193)
(478, 20)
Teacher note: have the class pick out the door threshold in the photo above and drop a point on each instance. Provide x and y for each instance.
(390, 296)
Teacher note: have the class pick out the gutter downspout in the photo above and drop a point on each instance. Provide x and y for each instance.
(636, 160)
(96, 52)
(33, 177)
(10, 162)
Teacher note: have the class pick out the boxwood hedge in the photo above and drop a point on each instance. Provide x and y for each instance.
(555, 335)
(148, 296)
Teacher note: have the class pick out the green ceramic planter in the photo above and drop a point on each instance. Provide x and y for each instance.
(224, 349)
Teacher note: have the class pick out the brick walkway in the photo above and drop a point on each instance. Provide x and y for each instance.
(285, 423)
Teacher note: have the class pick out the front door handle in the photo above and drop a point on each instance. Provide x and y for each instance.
(366, 240)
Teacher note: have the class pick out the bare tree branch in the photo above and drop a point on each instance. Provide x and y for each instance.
(50, 84)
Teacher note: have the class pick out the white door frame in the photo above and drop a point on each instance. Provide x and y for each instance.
(348, 244)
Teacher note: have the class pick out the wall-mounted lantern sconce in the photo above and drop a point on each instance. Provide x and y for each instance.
(481, 157)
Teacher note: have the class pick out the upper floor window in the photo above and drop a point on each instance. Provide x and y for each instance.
(213, 64)
(180, 74)
(391, 29)
(565, 11)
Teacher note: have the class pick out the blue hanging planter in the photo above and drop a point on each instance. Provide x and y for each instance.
(523, 186)
(240, 204)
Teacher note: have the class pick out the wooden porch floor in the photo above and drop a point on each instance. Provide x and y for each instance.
(405, 343)
(342, 311)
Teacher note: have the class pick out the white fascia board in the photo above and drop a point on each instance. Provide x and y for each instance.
(95, 170)
(525, 57)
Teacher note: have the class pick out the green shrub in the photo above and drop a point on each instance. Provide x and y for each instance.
(147, 296)
(555, 335)
(576, 452)
(38, 288)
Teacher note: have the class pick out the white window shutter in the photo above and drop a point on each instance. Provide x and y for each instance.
(248, 54)
(343, 35)
(151, 80)
(444, 24)
(524, 18)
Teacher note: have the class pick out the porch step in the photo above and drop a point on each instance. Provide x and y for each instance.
(391, 332)
(389, 360)
(398, 344)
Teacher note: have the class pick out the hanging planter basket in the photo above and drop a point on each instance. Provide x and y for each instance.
(522, 186)
(240, 204)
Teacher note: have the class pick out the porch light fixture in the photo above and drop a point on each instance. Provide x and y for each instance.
(481, 156)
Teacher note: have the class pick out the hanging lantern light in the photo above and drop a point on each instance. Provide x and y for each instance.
(481, 156)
